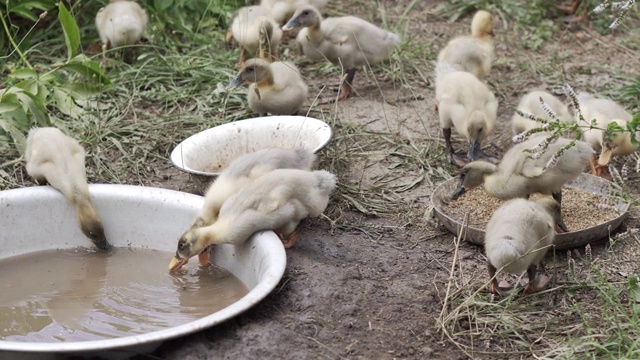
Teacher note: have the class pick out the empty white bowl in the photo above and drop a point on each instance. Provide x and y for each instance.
(40, 218)
(209, 152)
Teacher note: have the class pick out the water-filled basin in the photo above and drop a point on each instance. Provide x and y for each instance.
(39, 218)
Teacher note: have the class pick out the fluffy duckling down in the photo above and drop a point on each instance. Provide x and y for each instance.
(517, 237)
(277, 200)
(466, 103)
(348, 41)
(253, 27)
(473, 54)
(282, 10)
(276, 88)
(519, 175)
(121, 23)
(604, 112)
(530, 104)
(55, 158)
(241, 172)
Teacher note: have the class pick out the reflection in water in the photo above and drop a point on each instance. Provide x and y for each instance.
(80, 295)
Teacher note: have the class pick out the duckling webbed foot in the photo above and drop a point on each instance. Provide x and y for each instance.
(540, 281)
(289, 240)
(502, 288)
(489, 158)
(203, 257)
(344, 89)
(455, 159)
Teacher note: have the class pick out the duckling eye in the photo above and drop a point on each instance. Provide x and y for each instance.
(306, 12)
(92, 235)
(181, 245)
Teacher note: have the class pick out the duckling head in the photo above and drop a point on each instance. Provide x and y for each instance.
(306, 16)
(472, 175)
(610, 143)
(254, 71)
(482, 24)
(92, 228)
(191, 243)
(477, 130)
(553, 208)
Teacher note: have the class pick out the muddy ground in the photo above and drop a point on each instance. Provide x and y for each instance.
(368, 286)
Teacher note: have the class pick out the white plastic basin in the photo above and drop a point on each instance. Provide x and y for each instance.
(40, 218)
(207, 153)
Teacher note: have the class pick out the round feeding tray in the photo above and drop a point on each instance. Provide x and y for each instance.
(207, 153)
(585, 182)
(74, 306)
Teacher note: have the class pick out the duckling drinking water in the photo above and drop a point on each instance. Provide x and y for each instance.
(277, 200)
(517, 237)
(58, 159)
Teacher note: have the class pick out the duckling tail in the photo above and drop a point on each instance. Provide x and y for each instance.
(326, 181)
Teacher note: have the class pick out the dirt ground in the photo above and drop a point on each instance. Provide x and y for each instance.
(371, 287)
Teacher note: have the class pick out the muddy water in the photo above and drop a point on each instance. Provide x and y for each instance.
(79, 295)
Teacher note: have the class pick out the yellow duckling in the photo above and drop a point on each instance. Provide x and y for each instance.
(253, 27)
(277, 200)
(474, 53)
(604, 112)
(517, 237)
(346, 41)
(282, 10)
(120, 23)
(467, 104)
(519, 175)
(58, 159)
(276, 88)
(530, 104)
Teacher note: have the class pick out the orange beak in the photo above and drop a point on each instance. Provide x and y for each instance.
(177, 263)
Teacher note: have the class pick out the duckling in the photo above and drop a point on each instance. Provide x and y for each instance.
(346, 41)
(517, 237)
(58, 159)
(530, 104)
(519, 175)
(604, 112)
(282, 10)
(253, 27)
(120, 23)
(467, 104)
(474, 53)
(277, 200)
(276, 88)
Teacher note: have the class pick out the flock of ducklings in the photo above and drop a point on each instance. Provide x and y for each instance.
(520, 231)
(276, 188)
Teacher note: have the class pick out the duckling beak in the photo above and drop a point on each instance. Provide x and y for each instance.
(605, 156)
(236, 82)
(291, 24)
(177, 262)
(474, 150)
(458, 192)
(104, 246)
(561, 227)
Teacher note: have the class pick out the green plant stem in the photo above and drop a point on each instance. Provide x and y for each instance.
(15, 46)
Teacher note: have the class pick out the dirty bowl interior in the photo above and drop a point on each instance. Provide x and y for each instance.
(207, 153)
(40, 218)
(570, 239)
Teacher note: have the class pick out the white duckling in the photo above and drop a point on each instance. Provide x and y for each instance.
(530, 104)
(346, 41)
(277, 200)
(276, 88)
(282, 10)
(254, 28)
(516, 239)
(604, 112)
(58, 159)
(241, 172)
(467, 104)
(519, 175)
(120, 23)
(473, 54)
